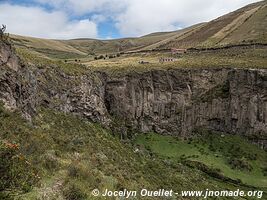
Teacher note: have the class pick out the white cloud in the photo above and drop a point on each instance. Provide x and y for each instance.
(34, 21)
(98, 18)
(146, 16)
(80, 7)
(130, 17)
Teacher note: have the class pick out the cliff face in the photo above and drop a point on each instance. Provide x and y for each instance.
(173, 101)
(26, 87)
(178, 101)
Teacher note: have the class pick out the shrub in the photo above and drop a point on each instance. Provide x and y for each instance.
(3, 112)
(3, 35)
(264, 170)
(2, 30)
(16, 173)
(73, 192)
(82, 171)
(73, 171)
(50, 161)
(101, 57)
(240, 164)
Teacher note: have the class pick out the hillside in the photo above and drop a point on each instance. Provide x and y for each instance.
(244, 26)
(118, 45)
(79, 48)
(46, 47)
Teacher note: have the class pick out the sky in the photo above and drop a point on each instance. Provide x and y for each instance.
(108, 19)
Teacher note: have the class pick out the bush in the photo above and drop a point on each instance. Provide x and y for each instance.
(101, 57)
(73, 192)
(3, 35)
(264, 171)
(50, 161)
(16, 173)
(82, 171)
(73, 170)
(240, 164)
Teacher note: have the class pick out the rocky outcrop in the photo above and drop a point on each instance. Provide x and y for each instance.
(26, 87)
(174, 101)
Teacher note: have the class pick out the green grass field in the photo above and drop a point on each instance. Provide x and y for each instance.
(214, 151)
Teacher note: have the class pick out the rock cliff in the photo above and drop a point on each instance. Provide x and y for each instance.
(178, 101)
(174, 101)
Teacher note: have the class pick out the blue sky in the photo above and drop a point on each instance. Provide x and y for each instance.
(106, 19)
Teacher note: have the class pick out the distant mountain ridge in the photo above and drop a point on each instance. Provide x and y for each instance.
(243, 26)
(247, 25)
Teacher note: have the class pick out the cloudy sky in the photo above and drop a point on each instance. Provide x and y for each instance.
(65, 19)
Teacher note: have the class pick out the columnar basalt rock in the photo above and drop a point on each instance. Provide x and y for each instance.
(180, 100)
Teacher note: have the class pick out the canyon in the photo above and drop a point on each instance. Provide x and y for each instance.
(173, 101)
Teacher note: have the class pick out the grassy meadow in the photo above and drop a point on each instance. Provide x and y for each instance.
(232, 155)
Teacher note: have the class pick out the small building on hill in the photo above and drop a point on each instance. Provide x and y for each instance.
(178, 51)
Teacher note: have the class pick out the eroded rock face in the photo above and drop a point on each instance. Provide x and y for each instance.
(26, 88)
(7, 56)
(175, 101)
(178, 101)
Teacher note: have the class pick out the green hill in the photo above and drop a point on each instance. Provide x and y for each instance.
(244, 26)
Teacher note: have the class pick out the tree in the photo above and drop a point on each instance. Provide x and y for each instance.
(101, 57)
(2, 30)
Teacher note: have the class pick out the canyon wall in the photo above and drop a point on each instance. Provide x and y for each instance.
(178, 101)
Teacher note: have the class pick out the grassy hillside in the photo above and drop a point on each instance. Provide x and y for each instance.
(67, 157)
(224, 58)
(125, 44)
(80, 48)
(244, 26)
(46, 47)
